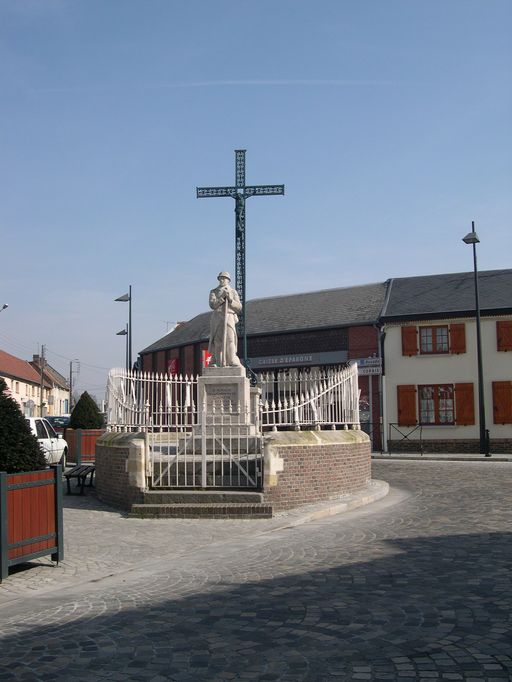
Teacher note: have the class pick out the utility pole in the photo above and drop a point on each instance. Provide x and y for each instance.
(42, 361)
(70, 386)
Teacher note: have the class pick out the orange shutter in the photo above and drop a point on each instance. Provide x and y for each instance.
(502, 402)
(464, 404)
(458, 338)
(504, 334)
(409, 341)
(406, 405)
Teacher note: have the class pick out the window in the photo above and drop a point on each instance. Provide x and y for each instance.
(436, 404)
(17, 387)
(434, 340)
(40, 429)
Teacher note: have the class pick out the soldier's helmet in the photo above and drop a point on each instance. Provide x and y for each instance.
(224, 274)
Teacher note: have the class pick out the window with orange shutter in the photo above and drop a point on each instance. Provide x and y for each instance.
(409, 341)
(406, 397)
(464, 404)
(504, 334)
(502, 402)
(458, 338)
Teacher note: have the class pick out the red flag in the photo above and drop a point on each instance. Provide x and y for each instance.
(173, 366)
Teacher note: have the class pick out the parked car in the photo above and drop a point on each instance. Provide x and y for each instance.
(59, 423)
(53, 444)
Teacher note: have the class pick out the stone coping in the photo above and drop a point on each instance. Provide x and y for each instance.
(330, 437)
(120, 439)
(281, 438)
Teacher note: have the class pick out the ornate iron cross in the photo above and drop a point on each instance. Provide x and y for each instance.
(239, 193)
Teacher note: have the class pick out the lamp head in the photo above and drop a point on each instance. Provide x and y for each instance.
(471, 238)
(5, 305)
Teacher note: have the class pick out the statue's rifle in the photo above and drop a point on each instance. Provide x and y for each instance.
(225, 334)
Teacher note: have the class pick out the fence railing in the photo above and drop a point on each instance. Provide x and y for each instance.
(221, 452)
(316, 398)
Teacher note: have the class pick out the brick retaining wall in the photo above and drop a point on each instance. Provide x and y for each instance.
(311, 466)
(120, 469)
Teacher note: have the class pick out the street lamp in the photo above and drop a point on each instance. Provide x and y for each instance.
(472, 238)
(5, 305)
(124, 332)
(124, 298)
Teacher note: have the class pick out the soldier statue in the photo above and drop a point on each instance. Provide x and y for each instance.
(225, 303)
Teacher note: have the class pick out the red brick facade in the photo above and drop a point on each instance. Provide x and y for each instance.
(113, 482)
(310, 467)
(313, 473)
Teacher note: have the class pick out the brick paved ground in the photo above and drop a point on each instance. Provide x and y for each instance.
(414, 587)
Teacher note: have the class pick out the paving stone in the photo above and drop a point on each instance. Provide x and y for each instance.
(414, 587)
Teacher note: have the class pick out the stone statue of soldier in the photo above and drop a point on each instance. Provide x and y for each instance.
(225, 303)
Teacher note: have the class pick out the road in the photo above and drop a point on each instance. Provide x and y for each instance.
(416, 586)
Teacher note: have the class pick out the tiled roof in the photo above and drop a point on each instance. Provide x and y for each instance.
(16, 368)
(51, 375)
(313, 310)
(453, 293)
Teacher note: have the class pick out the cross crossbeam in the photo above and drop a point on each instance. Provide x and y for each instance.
(240, 192)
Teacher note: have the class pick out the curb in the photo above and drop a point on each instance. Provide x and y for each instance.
(376, 490)
(444, 458)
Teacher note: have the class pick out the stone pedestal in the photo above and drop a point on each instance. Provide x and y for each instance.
(224, 391)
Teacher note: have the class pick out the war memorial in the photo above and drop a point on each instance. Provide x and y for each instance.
(222, 444)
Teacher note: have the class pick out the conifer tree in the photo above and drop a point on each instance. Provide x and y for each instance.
(19, 448)
(86, 414)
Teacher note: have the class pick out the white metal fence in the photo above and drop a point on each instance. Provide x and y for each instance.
(219, 452)
(316, 398)
(223, 448)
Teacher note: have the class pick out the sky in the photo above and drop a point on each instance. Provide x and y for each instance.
(388, 121)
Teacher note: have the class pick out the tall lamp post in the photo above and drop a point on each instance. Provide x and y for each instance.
(5, 305)
(124, 332)
(123, 299)
(472, 238)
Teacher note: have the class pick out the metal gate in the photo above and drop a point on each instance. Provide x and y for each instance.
(216, 453)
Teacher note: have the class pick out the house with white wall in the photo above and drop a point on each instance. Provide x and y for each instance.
(430, 382)
(58, 396)
(23, 381)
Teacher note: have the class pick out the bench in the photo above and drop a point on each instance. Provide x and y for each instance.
(80, 472)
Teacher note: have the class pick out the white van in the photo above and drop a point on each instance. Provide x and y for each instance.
(53, 444)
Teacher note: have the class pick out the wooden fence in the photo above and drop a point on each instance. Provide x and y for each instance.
(31, 524)
(82, 444)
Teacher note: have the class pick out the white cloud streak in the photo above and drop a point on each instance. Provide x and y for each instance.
(231, 83)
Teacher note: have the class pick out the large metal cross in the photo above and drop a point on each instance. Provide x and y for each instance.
(239, 193)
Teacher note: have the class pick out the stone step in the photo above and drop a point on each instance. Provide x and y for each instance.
(219, 510)
(202, 496)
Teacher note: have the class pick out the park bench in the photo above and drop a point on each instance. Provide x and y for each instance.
(80, 472)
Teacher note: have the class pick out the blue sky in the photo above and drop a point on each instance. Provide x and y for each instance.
(388, 121)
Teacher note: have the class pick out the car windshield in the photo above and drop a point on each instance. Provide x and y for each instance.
(59, 422)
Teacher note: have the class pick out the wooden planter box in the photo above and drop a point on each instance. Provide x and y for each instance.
(30, 517)
(82, 444)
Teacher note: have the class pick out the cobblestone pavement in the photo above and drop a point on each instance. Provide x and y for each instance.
(416, 586)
